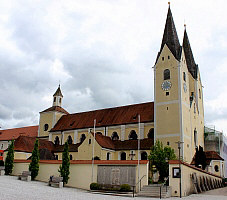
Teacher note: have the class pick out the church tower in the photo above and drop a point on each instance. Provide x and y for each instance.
(50, 116)
(176, 89)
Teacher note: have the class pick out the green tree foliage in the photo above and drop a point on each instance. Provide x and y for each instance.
(159, 156)
(34, 165)
(200, 158)
(9, 159)
(64, 168)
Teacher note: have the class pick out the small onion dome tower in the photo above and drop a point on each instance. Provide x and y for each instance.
(57, 97)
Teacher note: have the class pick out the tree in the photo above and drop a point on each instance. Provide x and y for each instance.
(159, 156)
(9, 159)
(34, 165)
(64, 168)
(200, 158)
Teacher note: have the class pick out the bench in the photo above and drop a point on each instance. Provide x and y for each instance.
(56, 180)
(26, 175)
(2, 170)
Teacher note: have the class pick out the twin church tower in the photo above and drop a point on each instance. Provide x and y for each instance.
(177, 110)
(178, 99)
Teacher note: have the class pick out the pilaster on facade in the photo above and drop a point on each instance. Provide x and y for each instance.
(122, 132)
(141, 130)
(50, 136)
(63, 137)
(106, 131)
(75, 136)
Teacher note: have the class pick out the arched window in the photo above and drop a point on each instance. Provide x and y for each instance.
(46, 126)
(199, 93)
(123, 156)
(184, 76)
(70, 140)
(54, 99)
(99, 133)
(56, 157)
(132, 135)
(70, 157)
(56, 141)
(115, 136)
(195, 138)
(166, 74)
(82, 138)
(151, 133)
(108, 156)
(144, 155)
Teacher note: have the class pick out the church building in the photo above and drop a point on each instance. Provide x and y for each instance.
(175, 115)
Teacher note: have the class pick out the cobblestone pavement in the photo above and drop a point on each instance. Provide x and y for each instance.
(11, 188)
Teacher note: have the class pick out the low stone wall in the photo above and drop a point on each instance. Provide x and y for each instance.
(187, 183)
(80, 170)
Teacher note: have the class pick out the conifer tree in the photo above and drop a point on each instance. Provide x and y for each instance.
(9, 159)
(34, 165)
(64, 168)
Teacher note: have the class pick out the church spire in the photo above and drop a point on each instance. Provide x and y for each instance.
(57, 97)
(192, 67)
(170, 37)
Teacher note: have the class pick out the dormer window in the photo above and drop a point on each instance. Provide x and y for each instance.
(166, 74)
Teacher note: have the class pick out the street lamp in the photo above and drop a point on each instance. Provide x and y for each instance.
(179, 148)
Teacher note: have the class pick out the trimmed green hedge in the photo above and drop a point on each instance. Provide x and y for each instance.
(125, 188)
(95, 186)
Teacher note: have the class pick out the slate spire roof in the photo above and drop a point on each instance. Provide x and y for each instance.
(192, 67)
(170, 37)
(58, 92)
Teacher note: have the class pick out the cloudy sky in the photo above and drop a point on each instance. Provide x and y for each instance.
(102, 52)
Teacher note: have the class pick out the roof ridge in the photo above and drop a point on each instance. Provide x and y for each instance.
(112, 108)
(19, 128)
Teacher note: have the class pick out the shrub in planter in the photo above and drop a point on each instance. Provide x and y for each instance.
(125, 188)
(95, 186)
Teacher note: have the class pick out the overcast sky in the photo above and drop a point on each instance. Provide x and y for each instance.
(102, 52)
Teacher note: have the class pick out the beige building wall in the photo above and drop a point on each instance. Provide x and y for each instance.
(80, 172)
(187, 183)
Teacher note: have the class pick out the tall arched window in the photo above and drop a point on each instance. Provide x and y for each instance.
(82, 138)
(195, 138)
(184, 76)
(70, 157)
(199, 93)
(166, 74)
(144, 155)
(132, 135)
(108, 156)
(115, 136)
(123, 156)
(151, 133)
(56, 141)
(70, 140)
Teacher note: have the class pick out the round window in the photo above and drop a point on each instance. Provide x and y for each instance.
(216, 168)
(46, 126)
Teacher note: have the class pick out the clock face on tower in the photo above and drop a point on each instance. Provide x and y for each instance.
(166, 85)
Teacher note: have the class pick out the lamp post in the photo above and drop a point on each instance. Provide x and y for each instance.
(179, 148)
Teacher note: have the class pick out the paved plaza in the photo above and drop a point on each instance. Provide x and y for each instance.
(11, 188)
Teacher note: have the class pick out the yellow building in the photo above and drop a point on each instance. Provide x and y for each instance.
(175, 115)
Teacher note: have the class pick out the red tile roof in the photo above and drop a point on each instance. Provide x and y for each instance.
(108, 143)
(210, 155)
(72, 147)
(9, 134)
(26, 144)
(107, 117)
(56, 108)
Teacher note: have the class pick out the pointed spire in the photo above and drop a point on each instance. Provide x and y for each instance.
(170, 37)
(192, 67)
(58, 92)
